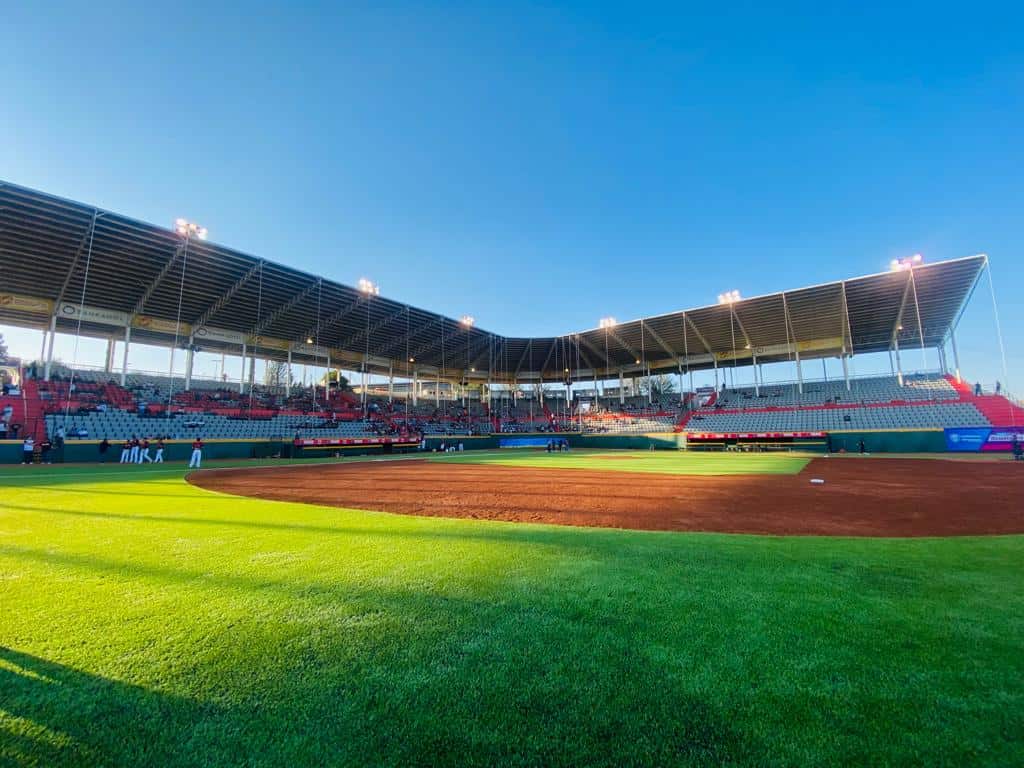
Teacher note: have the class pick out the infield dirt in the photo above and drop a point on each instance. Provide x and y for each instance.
(873, 497)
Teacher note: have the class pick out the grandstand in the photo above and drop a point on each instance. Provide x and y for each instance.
(72, 268)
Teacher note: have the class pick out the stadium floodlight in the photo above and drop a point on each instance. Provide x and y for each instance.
(467, 321)
(368, 287)
(412, 359)
(729, 297)
(309, 339)
(607, 322)
(189, 229)
(900, 265)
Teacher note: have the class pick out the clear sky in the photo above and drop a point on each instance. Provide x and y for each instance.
(541, 165)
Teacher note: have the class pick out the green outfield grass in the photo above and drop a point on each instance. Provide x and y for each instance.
(664, 462)
(147, 622)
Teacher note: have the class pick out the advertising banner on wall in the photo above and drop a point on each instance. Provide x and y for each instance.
(982, 439)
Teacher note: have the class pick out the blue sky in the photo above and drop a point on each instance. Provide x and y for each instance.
(539, 165)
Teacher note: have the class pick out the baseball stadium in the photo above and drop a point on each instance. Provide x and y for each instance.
(412, 541)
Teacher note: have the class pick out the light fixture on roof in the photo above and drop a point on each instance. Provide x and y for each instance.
(467, 321)
(368, 287)
(899, 265)
(638, 361)
(309, 339)
(729, 297)
(607, 322)
(412, 359)
(189, 229)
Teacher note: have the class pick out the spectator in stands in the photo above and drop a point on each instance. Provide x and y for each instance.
(3, 430)
(103, 448)
(1017, 448)
(999, 387)
(8, 412)
(59, 437)
(126, 451)
(159, 451)
(28, 447)
(197, 454)
(977, 389)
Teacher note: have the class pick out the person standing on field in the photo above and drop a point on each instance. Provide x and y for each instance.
(197, 454)
(28, 447)
(126, 449)
(133, 454)
(159, 451)
(144, 452)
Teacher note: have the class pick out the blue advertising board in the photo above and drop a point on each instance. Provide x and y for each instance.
(524, 442)
(976, 439)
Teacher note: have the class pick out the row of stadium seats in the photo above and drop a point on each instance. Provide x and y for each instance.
(928, 415)
(880, 389)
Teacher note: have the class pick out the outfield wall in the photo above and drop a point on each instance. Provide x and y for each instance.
(886, 441)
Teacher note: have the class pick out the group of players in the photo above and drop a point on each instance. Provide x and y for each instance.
(137, 451)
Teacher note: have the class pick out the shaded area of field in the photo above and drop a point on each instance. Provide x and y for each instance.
(876, 497)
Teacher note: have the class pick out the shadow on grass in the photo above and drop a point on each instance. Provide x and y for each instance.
(565, 537)
(468, 682)
(88, 719)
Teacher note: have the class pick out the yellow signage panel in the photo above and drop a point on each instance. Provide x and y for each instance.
(31, 304)
(820, 345)
(156, 325)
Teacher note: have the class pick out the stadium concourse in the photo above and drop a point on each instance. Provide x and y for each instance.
(71, 268)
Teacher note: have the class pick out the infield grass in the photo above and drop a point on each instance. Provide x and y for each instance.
(662, 462)
(144, 621)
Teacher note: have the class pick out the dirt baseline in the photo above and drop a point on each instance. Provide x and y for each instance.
(860, 497)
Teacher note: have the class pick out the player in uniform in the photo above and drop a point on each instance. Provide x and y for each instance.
(197, 454)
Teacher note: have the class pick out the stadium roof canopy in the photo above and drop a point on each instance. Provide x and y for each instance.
(81, 267)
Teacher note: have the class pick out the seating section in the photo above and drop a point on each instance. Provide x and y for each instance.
(833, 419)
(119, 424)
(922, 402)
(95, 406)
(884, 389)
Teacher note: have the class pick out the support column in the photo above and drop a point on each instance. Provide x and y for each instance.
(437, 391)
(108, 364)
(716, 374)
(42, 349)
(846, 372)
(622, 389)
(124, 359)
(252, 371)
(899, 364)
(190, 356)
(799, 374)
(49, 348)
(956, 356)
(288, 376)
(681, 395)
(241, 376)
(757, 384)
(415, 387)
(391, 383)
